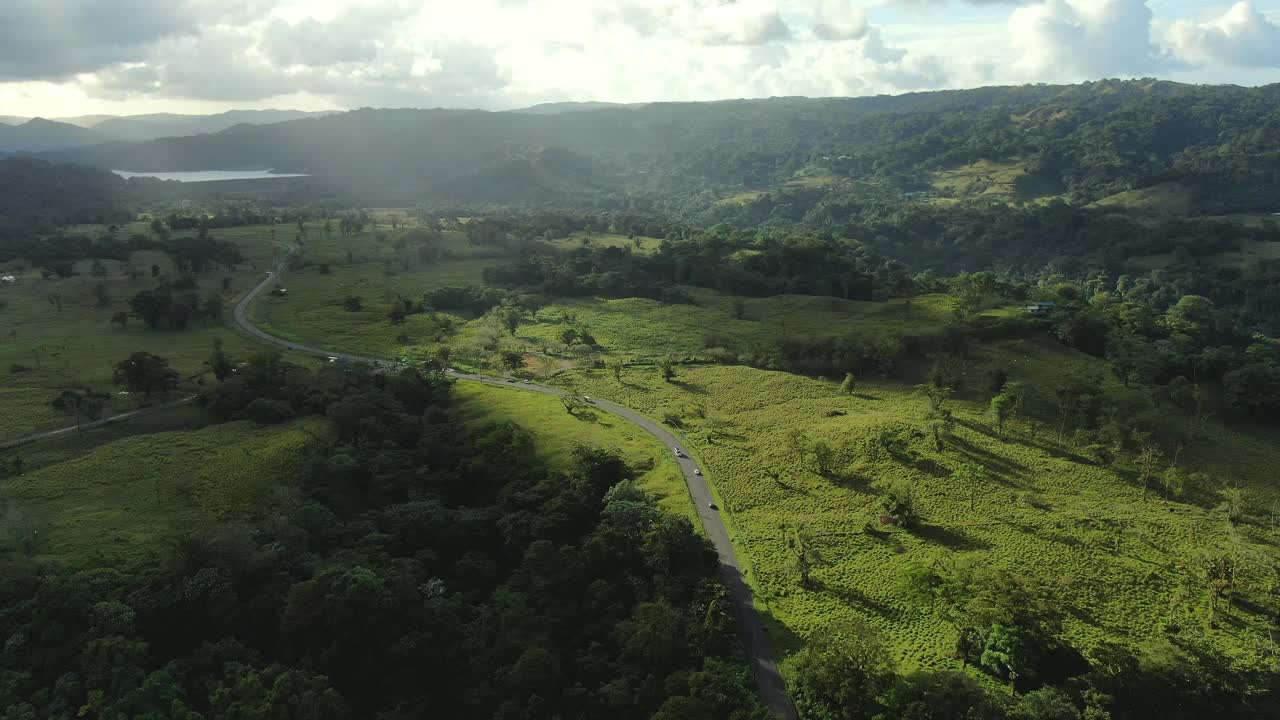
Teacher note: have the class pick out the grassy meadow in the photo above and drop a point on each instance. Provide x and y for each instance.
(58, 335)
(1122, 562)
(118, 499)
(556, 433)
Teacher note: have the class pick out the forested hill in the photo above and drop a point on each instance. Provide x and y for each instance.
(1079, 142)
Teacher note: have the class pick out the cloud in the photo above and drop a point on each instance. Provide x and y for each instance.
(837, 20)
(1242, 36)
(707, 22)
(1082, 39)
(44, 40)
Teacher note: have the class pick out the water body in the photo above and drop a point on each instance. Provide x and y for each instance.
(192, 176)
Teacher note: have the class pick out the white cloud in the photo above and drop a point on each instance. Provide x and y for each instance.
(1083, 39)
(1242, 36)
(506, 53)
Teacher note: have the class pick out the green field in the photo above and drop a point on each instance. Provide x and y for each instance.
(1163, 199)
(119, 502)
(1119, 560)
(1122, 562)
(984, 178)
(556, 433)
(44, 349)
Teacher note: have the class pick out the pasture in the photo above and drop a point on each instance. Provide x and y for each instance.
(58, 334)
(118, 500)
(1121, 561)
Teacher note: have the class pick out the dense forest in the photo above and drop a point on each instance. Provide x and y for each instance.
(425, 569)
(1083, 141)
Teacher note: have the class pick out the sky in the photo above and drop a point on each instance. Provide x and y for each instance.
(61, 58)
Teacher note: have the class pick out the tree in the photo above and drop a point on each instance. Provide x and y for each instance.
(843, 674)
(568, 336)
(351, 303)
(145, 373)
(101, 295)
(97, 269)
(120, 318)
(802, 556)
(667, 366)
(898, 503)
(850, 384)
(55, 301)
(512, 359)
(1001, 410)
(510, 315)
(1150, 462)
(972, 476)
(616, 367)
(572, 403)
(219, 362)
(212, 307)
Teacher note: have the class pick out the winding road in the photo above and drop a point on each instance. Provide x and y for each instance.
(760, 654)
(763, 665)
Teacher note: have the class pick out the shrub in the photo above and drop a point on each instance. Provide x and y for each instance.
(267, 411)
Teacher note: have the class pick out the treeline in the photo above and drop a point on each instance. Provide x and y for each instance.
(425, 569)
(733, 261)
(40, 198)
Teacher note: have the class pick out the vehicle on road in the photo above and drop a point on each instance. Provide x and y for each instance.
(511, 380)
(696, 471)
(333, 359)
(526, 382)
(587, 399)
(712, 504)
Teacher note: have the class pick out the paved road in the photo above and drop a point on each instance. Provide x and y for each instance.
(90, 425)
(760, 654)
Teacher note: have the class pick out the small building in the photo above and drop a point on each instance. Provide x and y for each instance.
(1040, 308)
(8, 279)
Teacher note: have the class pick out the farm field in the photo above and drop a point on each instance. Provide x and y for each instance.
(117, 503)
(556, 433)
(1122, 563)
(58, 334)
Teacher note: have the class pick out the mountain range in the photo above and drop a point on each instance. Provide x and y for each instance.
(18, 134)
(1077, 143)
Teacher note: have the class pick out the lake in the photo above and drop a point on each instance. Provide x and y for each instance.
(189, 176)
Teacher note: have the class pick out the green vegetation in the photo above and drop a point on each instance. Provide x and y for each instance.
(123, 502)
(555, 435)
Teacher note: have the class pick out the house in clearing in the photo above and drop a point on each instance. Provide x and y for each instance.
(1040, 308)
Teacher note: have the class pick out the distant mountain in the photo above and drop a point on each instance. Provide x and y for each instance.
(1080, 143)
(559, 108)
(134, 128)
(39, 135)
(138, 128)
(85, 121)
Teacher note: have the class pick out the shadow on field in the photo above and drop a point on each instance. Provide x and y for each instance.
(929, 467)
(850, 596)
(636, 388)
(1002, 469)
(953, 539)
(866, 396)
(689, 387)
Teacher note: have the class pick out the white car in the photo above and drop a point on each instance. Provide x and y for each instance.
(696, 471)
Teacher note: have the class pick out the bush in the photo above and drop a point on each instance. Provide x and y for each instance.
(266, 411)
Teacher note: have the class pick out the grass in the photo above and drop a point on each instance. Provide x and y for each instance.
(1168, 198)
(120, 502)
(646, 245)
(994, 180)
(556, 433)
(1122, 562)
(639, 328)
(44, 349)
(1115, 556)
